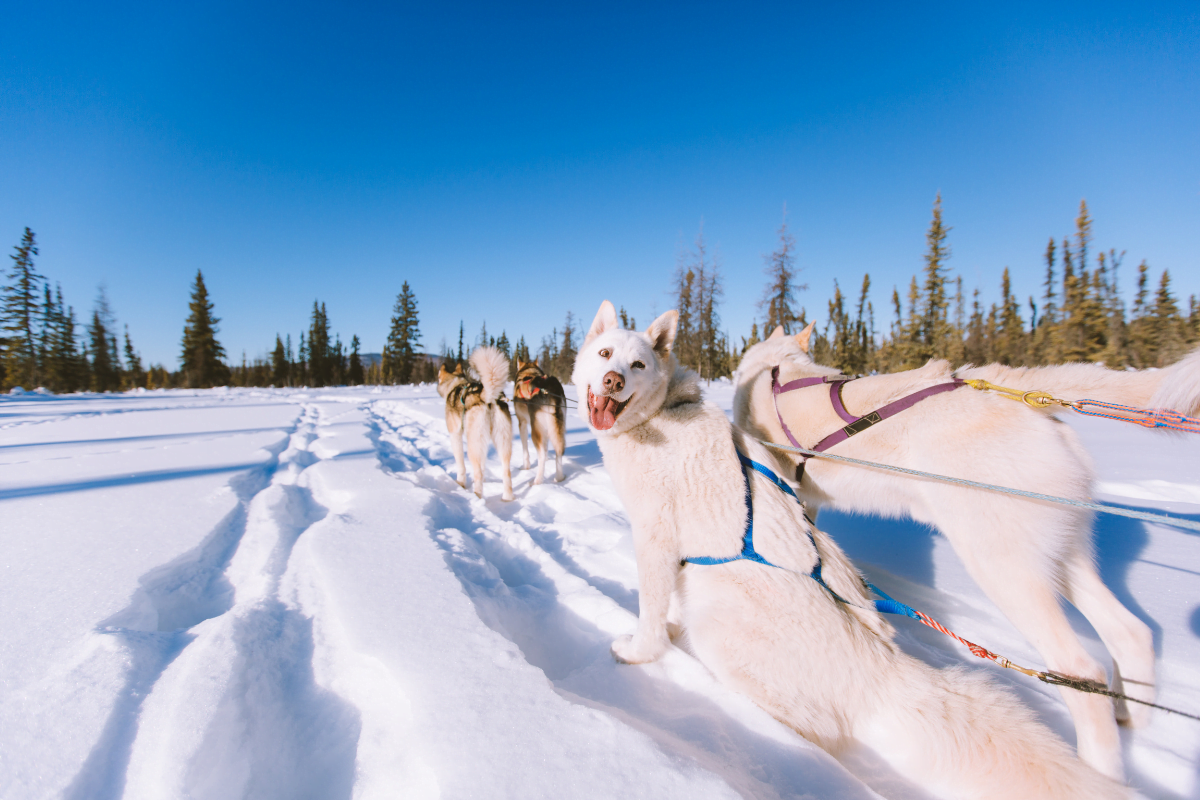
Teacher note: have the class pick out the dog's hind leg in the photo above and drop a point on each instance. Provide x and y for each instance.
(1010, 576)
(476, 452)
(559, 430)
(539, 441)
(455, 426)
(501, 424)
(523, 414)
(1128, 639)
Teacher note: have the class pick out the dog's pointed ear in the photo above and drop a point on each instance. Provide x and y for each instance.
(803, 337)
(606, 319)
(662, 333)
(442, 371)
(458, 369)
(520, 365)
(534, 362)
(775, 334)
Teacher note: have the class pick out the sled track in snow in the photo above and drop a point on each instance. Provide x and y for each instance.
(219, 611)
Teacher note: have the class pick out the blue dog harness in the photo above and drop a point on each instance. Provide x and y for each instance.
(885, 606)
(748, 552)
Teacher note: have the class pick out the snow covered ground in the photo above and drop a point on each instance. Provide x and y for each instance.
(284, 594)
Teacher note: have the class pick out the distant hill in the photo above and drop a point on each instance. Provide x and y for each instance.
(372, 359)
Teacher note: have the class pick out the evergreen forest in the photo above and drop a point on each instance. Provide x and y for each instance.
(1079, 316)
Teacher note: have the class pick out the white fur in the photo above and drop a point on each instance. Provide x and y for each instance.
(828, 670)
(492, 368)
(1180, 387)
(1023, 554)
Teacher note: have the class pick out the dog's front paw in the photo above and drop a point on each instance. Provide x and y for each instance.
(627, 650)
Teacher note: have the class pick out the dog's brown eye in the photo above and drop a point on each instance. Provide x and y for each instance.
(605, 353)
(638, 365)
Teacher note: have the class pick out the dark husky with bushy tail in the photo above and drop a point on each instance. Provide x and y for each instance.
(478, 408)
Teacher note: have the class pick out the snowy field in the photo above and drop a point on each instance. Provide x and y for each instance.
(284, 594)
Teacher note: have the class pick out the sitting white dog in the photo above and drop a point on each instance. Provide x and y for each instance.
(778, 611)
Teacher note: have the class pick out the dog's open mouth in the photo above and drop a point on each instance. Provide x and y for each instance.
(603, 410)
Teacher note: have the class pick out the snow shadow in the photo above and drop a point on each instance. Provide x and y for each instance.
(102, 775)
(514, 597)
(553, 544)
(901, 546)
(276, 733)
(585, 454)
(149, 438)
(1120, 542)
(170, 599)
(125, 479)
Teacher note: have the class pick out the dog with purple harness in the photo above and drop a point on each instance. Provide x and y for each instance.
(731, 571)
(1025, 555)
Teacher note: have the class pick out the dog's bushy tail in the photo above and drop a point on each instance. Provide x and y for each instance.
(975, 740)
(1180, 387)
(492, 367)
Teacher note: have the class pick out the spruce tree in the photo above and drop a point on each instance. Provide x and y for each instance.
(404, 336)
(958, 333)
(1010, 346)
(279, 364)
(779, 298)
(20, 314)
(354, 372)
(685, 303)
(320, 353)
(134, 376)
(202, 360)
(753, 340)
(935, 326)
(1167, 325)
(104, 373)
(975, 348)
(564, 359)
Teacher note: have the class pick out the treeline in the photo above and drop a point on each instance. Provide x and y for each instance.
(1080, 316)
(42, 345)
(321, 361)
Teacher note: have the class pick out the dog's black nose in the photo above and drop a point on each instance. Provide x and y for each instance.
(613, 381)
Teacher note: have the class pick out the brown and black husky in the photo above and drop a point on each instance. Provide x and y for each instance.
(541, 407)
(478, 408)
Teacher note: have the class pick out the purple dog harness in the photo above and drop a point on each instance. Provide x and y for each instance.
(853, 424)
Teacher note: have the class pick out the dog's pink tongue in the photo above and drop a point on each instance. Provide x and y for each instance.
(602, 411)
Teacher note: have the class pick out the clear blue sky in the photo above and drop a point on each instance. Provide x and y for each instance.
(516, 161)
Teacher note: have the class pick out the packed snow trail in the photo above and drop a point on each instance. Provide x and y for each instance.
(270, 594)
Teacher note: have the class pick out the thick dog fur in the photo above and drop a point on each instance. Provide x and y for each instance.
(541, 408)
(830, 671)
(478, 408)
(1023, 554)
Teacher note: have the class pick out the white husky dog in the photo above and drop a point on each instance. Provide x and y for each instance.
(826, 667)
(478, 408)
(1022, 553)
